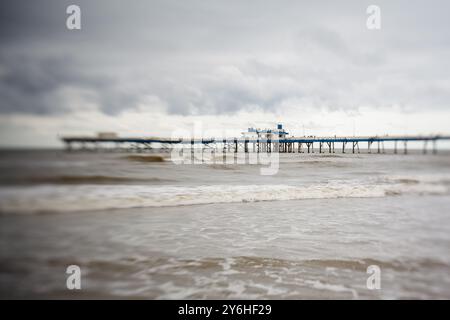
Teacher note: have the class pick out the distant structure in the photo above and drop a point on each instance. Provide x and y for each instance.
(253, 133)
(107, 135)
(260, 140)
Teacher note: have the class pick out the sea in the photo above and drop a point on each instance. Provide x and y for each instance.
(141, 226)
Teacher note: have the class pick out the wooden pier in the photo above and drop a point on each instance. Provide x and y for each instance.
(311, 144)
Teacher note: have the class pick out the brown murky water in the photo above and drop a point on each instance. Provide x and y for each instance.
(156, 230)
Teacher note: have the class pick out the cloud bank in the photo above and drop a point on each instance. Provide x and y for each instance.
(300, 62)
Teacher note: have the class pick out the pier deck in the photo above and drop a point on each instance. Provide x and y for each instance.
(287, 144)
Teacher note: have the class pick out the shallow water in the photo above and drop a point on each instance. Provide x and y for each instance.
(143, 229)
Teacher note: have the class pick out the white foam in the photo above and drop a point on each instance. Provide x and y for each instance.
(332, 287)
(51, 198)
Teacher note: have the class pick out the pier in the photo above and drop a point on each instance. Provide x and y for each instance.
(355, 144)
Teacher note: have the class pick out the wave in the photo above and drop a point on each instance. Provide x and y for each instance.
(145, 158)
(423, 179)
(248, 277)
(54, 198)
(222, 167)
(79, 180)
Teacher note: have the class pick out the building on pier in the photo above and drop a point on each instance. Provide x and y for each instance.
(269, 134)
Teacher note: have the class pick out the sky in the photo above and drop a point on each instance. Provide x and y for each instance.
(215, 68)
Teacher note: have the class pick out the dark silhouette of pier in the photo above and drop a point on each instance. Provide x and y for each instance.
(310, 144)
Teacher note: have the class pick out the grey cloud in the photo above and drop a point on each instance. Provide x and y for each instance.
(275, 52)
(31, 85)
(26, 86)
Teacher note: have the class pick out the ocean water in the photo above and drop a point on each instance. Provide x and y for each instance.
(140, 226)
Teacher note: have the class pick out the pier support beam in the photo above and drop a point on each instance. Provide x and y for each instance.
(355, 144)
(369, 145)
(224, 151)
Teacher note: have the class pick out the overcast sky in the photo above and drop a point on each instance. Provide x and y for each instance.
(156, 68)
